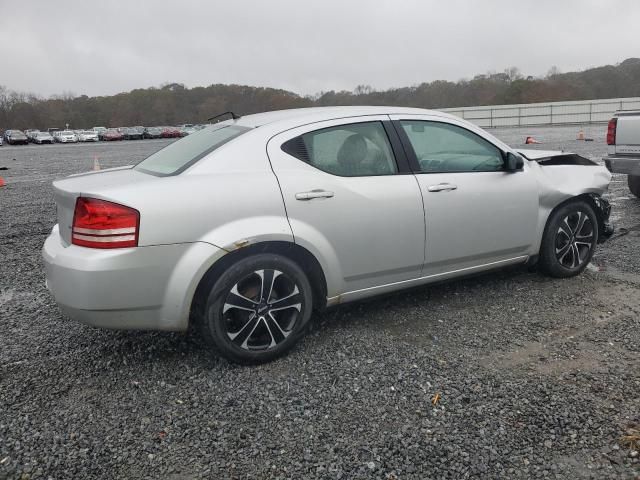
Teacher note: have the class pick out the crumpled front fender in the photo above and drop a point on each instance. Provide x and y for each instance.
(559, 183)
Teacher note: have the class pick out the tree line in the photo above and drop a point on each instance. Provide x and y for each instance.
(173, 103)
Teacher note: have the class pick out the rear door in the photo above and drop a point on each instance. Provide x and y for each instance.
(476, 213)
(351, 200)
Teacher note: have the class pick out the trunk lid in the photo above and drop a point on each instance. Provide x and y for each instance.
(92, 184)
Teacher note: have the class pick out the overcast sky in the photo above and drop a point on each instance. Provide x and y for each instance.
(98, 48)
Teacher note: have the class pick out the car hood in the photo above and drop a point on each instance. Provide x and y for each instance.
(553, 157)
(562, 175)
(531, 154)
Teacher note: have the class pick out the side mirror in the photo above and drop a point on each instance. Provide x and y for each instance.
(513, 162)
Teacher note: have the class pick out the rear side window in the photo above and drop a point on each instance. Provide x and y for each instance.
(442, 147)
(180, 155)
(353, 150)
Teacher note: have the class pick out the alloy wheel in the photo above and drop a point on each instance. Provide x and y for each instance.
(262, 309)
(574, 240)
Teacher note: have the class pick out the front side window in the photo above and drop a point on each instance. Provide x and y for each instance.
(442, 147)
(353, 150)
(180, 155)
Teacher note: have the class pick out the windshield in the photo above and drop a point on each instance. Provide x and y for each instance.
(180, 155)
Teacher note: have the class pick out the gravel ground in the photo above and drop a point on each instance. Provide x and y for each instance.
(536, 377)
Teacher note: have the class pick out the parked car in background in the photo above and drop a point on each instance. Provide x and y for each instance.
(131, 133)
(42, 137)
(184, 131)
(53, 130)
(1, 141)
(15, 137)
(170, 132)
(99, 130)
(152, 132)
(31, 133)
(66, 136)
(109, 131)
(431, 196)
(111, 135)
(87, 136)
(623, 140)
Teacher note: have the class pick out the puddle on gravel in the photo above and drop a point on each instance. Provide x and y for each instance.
(6, 296)
(567, 348)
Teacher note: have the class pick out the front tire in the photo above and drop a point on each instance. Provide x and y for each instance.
(634, 184)
(258, 309)
(569, 240)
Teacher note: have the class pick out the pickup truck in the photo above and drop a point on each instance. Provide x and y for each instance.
(623, 151)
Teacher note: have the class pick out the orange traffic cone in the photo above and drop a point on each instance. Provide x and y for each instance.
(2, 184)
(530, 140)
(580, 135)
(96, 164)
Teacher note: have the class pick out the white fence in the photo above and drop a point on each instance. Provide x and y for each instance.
(552, 113)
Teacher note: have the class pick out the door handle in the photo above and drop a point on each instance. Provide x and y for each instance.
(313, 194)
(442, 187)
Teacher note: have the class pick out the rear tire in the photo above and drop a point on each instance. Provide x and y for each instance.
(258, 309)
(569, 240)
(634, 184)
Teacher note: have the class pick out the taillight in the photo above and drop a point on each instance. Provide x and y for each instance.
(101, 224)
(611, 131)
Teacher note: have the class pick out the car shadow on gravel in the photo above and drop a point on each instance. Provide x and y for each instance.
(487, 317)
(411, 312)
(420, 305)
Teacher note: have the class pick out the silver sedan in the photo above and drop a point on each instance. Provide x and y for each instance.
(246, 227)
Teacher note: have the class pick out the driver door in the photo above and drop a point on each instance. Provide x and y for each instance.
(476, 213)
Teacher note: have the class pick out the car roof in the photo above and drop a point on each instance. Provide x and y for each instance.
(318, 114)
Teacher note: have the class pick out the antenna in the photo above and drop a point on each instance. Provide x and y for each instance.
(233, 115)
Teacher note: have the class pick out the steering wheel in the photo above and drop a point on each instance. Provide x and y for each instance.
(428, 165)
(487, 162)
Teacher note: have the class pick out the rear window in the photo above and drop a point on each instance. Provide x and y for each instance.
(180, 155)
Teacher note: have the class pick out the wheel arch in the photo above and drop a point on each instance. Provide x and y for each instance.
(294, 252)
(599, 206)
(596, 202)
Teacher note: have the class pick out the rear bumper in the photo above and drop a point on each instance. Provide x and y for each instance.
(626, 165)
(142, 288)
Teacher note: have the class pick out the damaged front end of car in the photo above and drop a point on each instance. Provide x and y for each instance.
(565, 175)
(603, 212)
